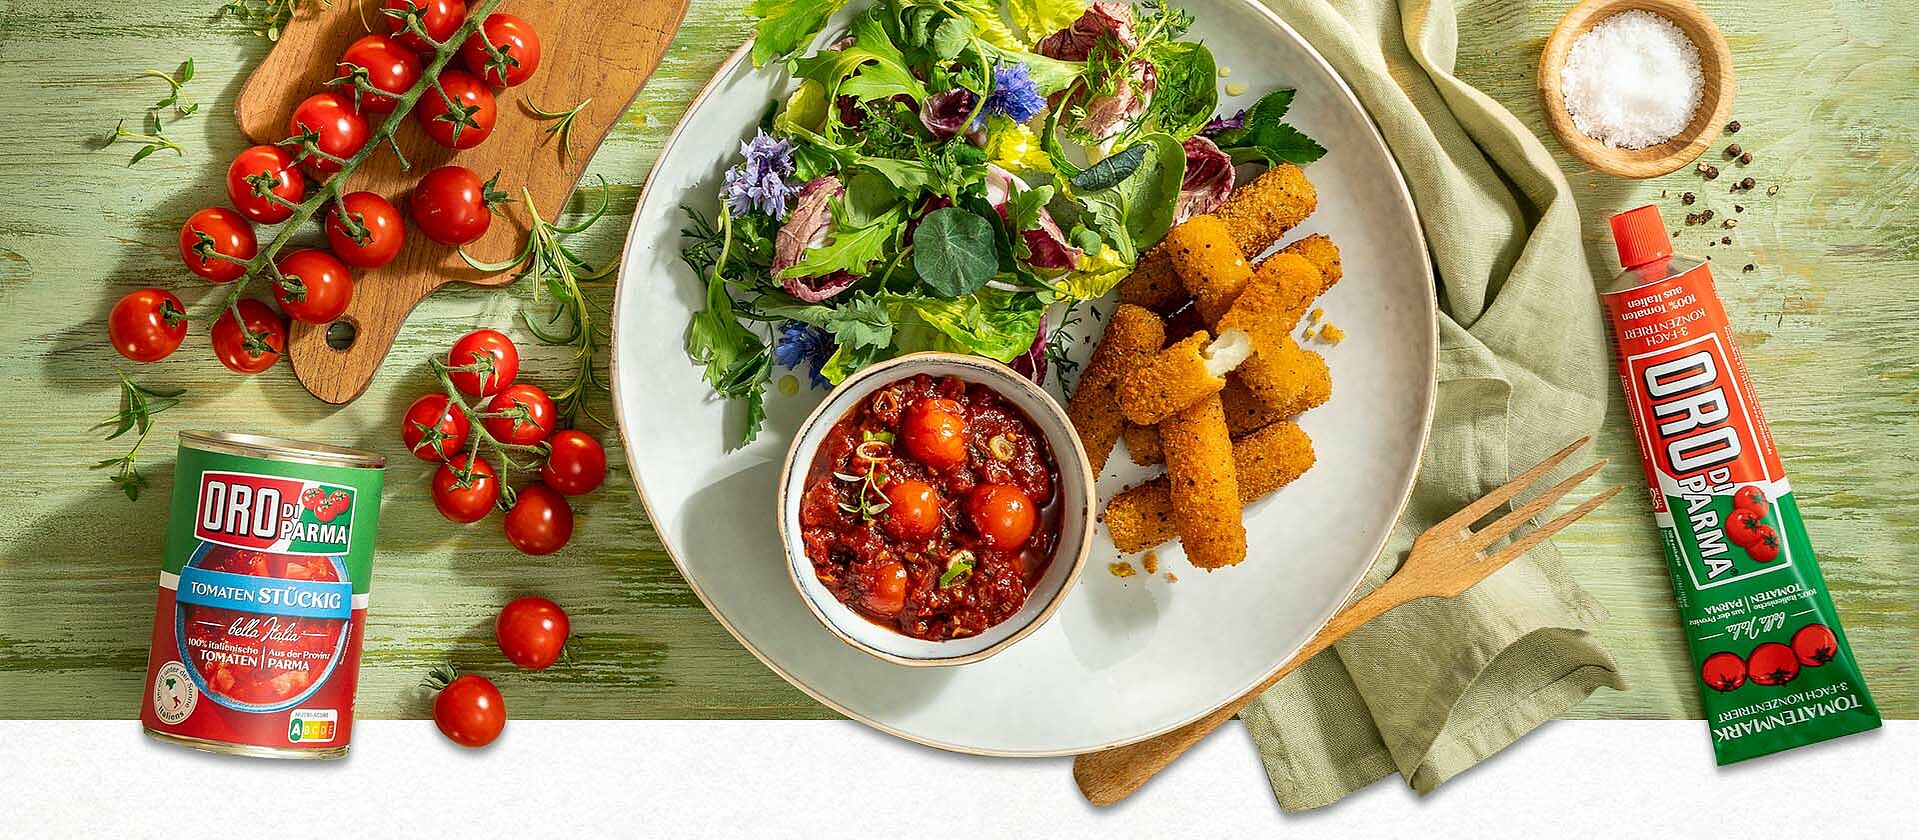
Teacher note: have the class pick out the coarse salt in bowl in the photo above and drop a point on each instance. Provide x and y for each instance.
(1633, 80)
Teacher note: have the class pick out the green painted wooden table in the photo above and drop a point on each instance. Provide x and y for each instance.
(1826, 95)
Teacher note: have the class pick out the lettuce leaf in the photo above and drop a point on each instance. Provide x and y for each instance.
(872, 68)
(785, 26)
(1040, 18)
(1137, 211)
(851, 248)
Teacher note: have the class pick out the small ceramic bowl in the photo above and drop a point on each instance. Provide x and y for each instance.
(1075, 495)
(1715, 100)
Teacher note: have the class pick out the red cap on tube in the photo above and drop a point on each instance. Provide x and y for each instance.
(1640, 236)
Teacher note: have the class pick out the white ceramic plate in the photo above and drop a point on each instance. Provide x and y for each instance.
(1124, 659)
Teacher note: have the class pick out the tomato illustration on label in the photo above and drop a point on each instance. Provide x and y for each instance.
(1815, 645)
(1751, 498)
(1723, 671)
(1765, 545)
(1772, 663)
(1742, 527)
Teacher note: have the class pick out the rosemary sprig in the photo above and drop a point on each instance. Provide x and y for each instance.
(150, 143)
(563, 128)
(560, 272)
(138, 404)
(177, 100)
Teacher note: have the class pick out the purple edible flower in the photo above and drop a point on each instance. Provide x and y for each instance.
(1014, 94)
(944, 114)
(759, 182)
(802, 343)
(1219, 125)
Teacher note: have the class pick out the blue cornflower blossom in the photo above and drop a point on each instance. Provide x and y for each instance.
(759, 182)
(1013, 94)
(802, 343)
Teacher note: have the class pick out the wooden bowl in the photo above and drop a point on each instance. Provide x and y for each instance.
(1715, 101)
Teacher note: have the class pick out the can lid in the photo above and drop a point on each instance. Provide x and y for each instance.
(282, 449)
(1640, 236)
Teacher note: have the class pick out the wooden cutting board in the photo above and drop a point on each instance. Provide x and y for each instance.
(602, 51)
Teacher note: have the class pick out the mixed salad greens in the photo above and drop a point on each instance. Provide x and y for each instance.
(946, 171)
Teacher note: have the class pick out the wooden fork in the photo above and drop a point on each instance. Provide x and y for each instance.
(1444, 562)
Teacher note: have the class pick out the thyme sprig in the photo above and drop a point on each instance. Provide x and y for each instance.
(560, 272)
(138, 404)
(177, 100)
(267, 18)
(563, 128)
(870, 500)
(150, 142)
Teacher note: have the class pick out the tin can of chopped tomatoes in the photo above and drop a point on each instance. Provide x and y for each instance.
(1772, 663)
(263, 596)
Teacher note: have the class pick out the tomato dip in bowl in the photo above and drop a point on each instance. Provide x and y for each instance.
(935, 509)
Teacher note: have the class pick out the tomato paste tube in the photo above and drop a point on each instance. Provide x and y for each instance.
(1772, 660)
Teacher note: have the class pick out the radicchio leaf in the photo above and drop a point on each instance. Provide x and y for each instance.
(806, 228)
(1208, 180)
(944, 114)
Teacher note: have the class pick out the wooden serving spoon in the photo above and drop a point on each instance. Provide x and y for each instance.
(1445, 561)
(598, 51)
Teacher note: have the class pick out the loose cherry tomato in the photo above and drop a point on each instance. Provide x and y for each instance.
(314, 286)
(882, 587)
(575, 464)
(1772, 663)
(470, 711)
(433, 429)
(483, 348)
(540, 522)
(1742, 527)
(380, 233)
(1723, 671)
(383, 63)
(1765, 546)
(531, 632)
(438, 17)
(527, 415)
(465, 121)
(329, 123)
(148, 324)
(463, 493)
(518, 44)
(1002, 514)
(1750, 497)
(255, 347)
(268, 168)
(453, 206)
(217, 230)
(935, 433)
(912, 510)
(1815, 645)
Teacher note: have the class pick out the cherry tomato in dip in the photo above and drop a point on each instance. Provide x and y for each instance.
(453, 206)
(269, 169)
(531, 632)
(369, 235)
(540, 522)
(382, 62)
(253, 346)
(314, 286)
(470, 711)
(514, 39)
(945, 534)
(147, 325)
(483, 348)
(433, 429)
(525, 412)
(329, 123)
(439, 18)
(462, 493)
(460, 113)
(217, 230)
(575, 463)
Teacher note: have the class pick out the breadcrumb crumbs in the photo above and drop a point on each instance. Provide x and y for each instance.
(1172, 578)
(1151, 562)
(1315, 315)
(1121, 569)
(1331, 334)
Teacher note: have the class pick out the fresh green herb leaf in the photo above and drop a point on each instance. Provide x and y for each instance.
(959, 567)
(1267, 136)
(1187, 92)
(1142, 204)
(851, 248)
(138, 404)
(861, 321)
(176, 98)
(1109, 171)
(953, 251)
(787, 25)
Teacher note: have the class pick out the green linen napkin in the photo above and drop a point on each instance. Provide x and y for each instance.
(1435, 686)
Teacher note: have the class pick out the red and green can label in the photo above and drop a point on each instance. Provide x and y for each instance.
(1774, 668)
(262, 603)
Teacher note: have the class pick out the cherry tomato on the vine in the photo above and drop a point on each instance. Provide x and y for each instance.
(254, 345)
(385, 64)
(438, 17)
(540, 522)
(329, 122)
(314, 286)
(433, 428)
(1002, 514)
(575, 464)
(526, 415)
(148, 324)
(517, 43)
(463, 493)
(483, 347)
(470, 711)
(934, 432)
(453, 206)
(912, 510)
(531, 632)
(460, 113)
(217, 230)
(380, 233)
(268, 168)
